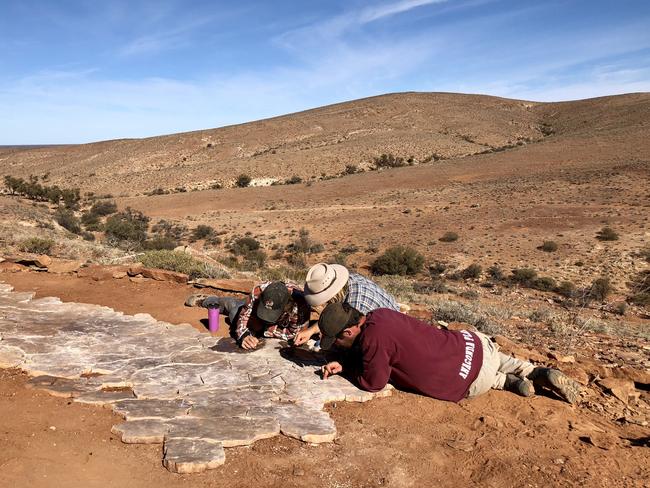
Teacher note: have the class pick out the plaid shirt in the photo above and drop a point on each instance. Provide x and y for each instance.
(286, 327)
(366, 295)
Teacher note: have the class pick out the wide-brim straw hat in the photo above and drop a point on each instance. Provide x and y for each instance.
(323, 282)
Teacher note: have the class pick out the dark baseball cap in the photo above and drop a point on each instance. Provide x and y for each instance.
(332, 321)
(272, 301)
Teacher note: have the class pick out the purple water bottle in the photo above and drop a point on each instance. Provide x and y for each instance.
(213, 319)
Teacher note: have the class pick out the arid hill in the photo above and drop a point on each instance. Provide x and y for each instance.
(317, 143)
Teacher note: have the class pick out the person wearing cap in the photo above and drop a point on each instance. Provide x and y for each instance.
(273, 309)
(333, 283)
(385, 346)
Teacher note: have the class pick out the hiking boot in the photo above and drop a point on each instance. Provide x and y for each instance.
(557, 382)
(195, 300)
(520, 386)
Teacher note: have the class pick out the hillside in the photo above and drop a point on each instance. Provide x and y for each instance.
(322, 141)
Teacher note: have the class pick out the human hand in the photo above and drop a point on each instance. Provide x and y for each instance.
(331, 368)
(302, 337)
(249, 342)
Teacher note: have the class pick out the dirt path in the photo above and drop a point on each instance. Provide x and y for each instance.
(406, 440)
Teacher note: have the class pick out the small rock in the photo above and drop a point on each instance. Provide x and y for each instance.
(298, 471)
(164, 275)
(618, 387)
(52, 427)
(118, 275)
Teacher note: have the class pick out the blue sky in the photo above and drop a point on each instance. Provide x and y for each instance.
(75, 71)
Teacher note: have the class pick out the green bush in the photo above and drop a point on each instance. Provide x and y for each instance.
(398, 260)
(566, 289)
(160, 242)
(177, 261)
(544, 283)
(36, 245)
(304, 244)
(243, 180)
(295, 179)
(548, 246)
(449, 237)
(607, 234)
(473, 271)
(244, 245)
(389, 161)
(600, 289)
(91, 221)
(103, 208)
(523, 276)
(202, 232)
(67, 219)
(496, 273)
(128, 226)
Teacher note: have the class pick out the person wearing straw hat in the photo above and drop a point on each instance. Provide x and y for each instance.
(333, 283)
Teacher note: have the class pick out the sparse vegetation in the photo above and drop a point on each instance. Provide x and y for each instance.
(449, 237)
(103, 208)
(295, 179)
(398, 260)
(243, 245)
(33, 190)
(600, 289)
(640, 287)
(180, 262)
(607, 234)
(523, 276)
(202, 232)
(544, 283)
(67, 219)
(36, 245)
(127, 229)
(496, 273)
(548, 246)
(472, 272)
(243, 180)
(388, 161)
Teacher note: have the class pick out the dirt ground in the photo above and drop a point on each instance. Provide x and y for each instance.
(405, 440)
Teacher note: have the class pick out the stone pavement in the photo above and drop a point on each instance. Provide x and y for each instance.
(174, 385)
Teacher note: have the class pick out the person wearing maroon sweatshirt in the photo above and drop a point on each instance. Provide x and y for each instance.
(388, 346)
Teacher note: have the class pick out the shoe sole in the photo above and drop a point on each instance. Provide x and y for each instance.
(564, 386)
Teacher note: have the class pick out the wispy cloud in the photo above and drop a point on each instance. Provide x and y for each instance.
(370, 14)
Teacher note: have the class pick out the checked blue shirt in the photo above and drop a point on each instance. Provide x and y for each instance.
(366, 295)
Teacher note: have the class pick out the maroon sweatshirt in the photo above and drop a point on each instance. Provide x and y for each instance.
(416, 356)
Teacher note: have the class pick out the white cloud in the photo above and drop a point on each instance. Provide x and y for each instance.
(370, 14)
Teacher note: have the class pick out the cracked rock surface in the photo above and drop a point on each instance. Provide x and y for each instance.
(194, 393)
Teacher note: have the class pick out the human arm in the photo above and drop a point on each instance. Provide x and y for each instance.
(304, 335)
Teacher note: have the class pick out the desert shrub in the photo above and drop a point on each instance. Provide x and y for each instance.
(254, 260)
(88, 236)
(304, 244)
(128, 226)
(169, 229)
(645, 254)
(244, 245)
(91, 221)
(340, 258)
(523, 276)
(283, 273)
(103, 208)
(450, 311)
(388, 161)
(566, 289)
(178, 261)
(600, 289)
(350, 169)
(202, 232)
(295, 179)
(437, 268)
(640, 287)
(607, 234)
(544, 283)
(243, 180)
(36, 245)
(548, 246)
(496, 273)
(399, 260)
(349, 249)
(473, 271)
(213, 240)
(67, 219)
(449, 237)
(160, 242)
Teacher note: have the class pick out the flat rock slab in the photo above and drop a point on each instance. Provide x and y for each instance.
(173, 384)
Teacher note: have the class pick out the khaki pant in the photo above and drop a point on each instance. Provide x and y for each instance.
(495, 367)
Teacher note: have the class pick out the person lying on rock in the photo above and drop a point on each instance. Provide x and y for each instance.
(385, 345)
(333, 283)
(273, 309)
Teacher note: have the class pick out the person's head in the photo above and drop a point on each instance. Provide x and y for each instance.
(272, 302)
(339, 324)
(324, 282)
